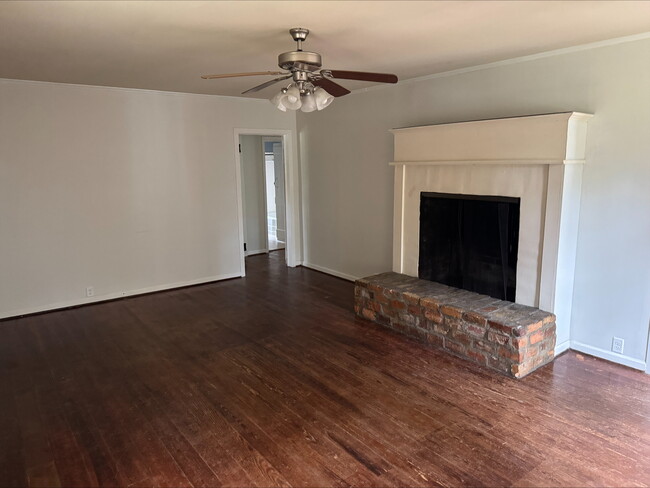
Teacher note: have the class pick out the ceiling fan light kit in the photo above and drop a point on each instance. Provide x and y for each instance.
(311, 87)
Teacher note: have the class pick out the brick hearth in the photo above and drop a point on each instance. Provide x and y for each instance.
(507, 337)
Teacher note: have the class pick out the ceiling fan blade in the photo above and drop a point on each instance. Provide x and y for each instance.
(234, 75)
(363, 76)
(330, 87)
(264, 85)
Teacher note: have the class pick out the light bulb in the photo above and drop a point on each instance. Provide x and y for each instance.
(308, 102)
(322, 98)
(292, 98)
(277, 100)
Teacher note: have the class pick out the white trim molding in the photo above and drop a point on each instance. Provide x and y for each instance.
(256, 252)
(116, 295)
(560, 348)
(538, 159)
(510, 61)
(292, 193)
(333, 272)
(493, 162)
(608, 355)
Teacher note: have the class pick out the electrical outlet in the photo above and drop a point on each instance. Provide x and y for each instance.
(617, 345)
(90, 291)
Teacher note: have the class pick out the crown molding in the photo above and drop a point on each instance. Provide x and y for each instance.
(126, 89)
(517, 60)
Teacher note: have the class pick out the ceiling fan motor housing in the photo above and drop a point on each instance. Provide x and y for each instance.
(304, 60)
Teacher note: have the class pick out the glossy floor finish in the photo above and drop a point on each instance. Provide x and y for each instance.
(271, 381)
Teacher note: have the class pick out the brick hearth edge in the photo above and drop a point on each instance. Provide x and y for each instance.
(504, 336)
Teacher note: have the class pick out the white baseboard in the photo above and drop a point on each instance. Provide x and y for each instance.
(113, 296)
(253, 253)
(332, 272)
(560, 348)
(608, 355)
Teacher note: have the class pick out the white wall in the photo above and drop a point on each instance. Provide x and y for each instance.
(253, 180)
(348, 185)
(123, 190)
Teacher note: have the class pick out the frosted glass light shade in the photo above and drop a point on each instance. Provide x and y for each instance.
(292, 98)
(277, 101)
(308, 103)
(322, 98)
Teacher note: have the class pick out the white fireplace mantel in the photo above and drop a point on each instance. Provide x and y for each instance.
(537, 158)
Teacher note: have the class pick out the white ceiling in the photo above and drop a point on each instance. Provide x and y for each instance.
(165, 45)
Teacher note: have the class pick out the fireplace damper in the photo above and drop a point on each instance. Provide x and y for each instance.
(470, 242)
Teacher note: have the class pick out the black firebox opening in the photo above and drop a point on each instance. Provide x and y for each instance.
(470, 242)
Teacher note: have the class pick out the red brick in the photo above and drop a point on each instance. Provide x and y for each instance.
(409, 319)
(376, 288)
(536, 337)
(488, 309)
(422, 335)
(390, 312)
(376, 306)
(461, 337)
(429, 303)
(454, 347)
(415, 310)
(399, 326)
(383, 320)
(433, 315)
(369, 314)
(530, 328)
(500, 364)
(357, 308)
(519, 342)
(500, 327)
(485, 346)
(477, 356)
(549, 332)
(531, 352)
(519, 331)
(381, 298)
(393, 294)
(498, 338)
(396, 304)
(520, 370)
(442, 328)
(549, 319)
(435, 340)
(475, 330)
(451, 311)
(411, 298)
(474, 318)
(506, 352)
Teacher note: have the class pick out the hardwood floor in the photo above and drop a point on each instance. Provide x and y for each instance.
(271, 381)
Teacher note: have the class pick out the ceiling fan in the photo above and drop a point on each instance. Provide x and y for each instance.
(311, 87)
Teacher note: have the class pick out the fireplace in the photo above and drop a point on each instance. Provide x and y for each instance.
(526, 173)
(470, 242)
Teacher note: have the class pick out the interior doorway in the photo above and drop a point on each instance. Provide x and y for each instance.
(263, 190)
(276, 216)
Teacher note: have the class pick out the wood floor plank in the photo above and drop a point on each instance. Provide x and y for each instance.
(271, 380)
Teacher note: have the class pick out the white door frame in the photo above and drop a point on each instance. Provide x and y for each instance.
(291, 193)
(273, 139)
